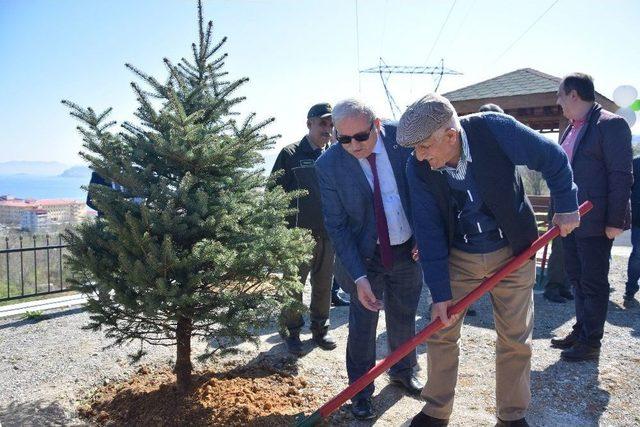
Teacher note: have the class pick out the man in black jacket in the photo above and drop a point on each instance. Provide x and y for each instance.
(633, 269)
(598, 144)
(296, 161)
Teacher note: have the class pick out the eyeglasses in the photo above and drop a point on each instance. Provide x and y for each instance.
(360, 137)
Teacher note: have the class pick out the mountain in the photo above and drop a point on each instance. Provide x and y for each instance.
(32, 168)
(77, 172)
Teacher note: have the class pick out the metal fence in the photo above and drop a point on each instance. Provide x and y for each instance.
(32, 266)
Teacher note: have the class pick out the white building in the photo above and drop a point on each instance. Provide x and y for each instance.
(37, 213)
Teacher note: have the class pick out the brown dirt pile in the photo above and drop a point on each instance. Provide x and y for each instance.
(256, 395)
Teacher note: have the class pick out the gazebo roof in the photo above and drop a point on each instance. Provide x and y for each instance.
(528, 95)
(526, 81)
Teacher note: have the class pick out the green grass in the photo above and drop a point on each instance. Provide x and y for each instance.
(33, 315)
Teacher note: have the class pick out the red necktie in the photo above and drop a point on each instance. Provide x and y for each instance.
(381, 218)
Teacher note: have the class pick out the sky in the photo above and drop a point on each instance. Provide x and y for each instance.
(295, 53)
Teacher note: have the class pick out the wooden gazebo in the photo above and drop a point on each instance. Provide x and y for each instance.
(528, 95)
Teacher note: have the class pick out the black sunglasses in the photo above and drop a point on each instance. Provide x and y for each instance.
(360, 137)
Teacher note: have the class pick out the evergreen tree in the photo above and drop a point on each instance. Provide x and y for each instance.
(189, 242)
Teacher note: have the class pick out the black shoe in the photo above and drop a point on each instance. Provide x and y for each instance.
(564, 343)
(554, 296)
(324, 341)
(515, 423)
(338, 301)
(362, 409)
(580, 352)
(410, 383)
(628, 296)
(566, 293)
(471, 311)
(424, 420)
(294, 345)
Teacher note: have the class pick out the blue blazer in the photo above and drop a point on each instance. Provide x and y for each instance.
(347, 204)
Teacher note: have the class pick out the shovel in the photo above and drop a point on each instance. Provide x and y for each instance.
(488, 284)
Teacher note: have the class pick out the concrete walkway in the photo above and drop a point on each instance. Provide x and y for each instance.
(42, 305)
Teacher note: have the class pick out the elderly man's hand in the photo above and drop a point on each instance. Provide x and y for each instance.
(439, 310)
(613, 232)
(566, 222)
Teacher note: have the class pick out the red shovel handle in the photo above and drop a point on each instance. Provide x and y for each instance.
(353, 389)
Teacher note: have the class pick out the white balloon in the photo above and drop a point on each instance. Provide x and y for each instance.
(624, 95)
(628, 114)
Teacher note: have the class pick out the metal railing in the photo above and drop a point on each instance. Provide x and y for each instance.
(33, 262)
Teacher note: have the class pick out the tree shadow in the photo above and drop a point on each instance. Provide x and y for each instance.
(45, 316)
(39, 412)
(567, 393)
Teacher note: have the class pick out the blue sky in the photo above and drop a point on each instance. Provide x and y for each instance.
(295, 52)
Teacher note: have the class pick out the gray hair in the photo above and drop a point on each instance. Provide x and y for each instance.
(424, 117)
(351, 108)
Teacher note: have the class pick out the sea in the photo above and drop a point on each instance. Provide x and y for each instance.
(24, 186)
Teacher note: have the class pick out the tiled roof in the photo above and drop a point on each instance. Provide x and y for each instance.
(20, 203)
(520, 82)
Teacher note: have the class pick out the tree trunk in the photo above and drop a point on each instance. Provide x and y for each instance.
(183, 358)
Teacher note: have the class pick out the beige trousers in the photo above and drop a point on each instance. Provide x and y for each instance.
(512, 301)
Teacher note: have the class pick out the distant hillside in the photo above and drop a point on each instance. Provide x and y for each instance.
(77, 172)
(32, 168)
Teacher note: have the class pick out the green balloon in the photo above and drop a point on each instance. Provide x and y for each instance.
(636, 105)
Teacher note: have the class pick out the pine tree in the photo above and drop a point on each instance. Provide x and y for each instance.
(191, 241)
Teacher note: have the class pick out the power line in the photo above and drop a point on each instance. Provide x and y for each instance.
(440, 32)
(525, 31)
(358, 48)
(384, 27)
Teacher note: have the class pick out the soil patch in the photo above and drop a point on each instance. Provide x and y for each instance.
(256, 395)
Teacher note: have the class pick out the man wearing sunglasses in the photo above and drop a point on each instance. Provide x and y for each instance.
(296, 161)
(365, 206)
(471, 216)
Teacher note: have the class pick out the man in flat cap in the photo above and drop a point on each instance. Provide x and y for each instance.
(296, 161)
(365, 205)
(471, 216)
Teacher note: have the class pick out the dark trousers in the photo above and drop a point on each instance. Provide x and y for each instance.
(321, 269)
(556, 273)
(399, 288)
(587, 264)
(633, 269)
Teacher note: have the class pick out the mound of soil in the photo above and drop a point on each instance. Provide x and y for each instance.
(258, 395)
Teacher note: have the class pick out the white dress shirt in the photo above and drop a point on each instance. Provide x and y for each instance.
(399, 228)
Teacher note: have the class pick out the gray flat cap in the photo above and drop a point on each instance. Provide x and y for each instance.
(422, 118)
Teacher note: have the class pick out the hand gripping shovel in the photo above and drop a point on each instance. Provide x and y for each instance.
(346, 394)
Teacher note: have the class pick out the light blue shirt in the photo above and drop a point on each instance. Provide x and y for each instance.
(397, 222)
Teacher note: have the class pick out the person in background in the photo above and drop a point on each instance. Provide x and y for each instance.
(296, 166)
(598, 144)
(337, 300)
(633, 269)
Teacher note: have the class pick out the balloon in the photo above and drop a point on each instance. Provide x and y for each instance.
(624, 95)
(636, 105)
(628, 114)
